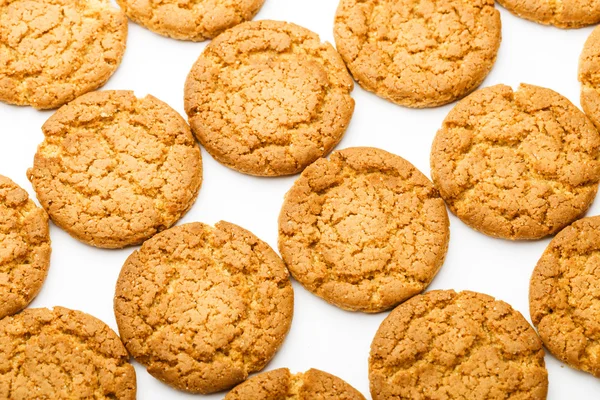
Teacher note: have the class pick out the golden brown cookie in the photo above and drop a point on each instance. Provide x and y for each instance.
(418, 53)
(516, 165)
(190, 20)
(364, 230)
(560, 13)
(280, 384)
(24, 248)
(448, 345)
(268, 98)
(114, 170)
(62, 354)
(589, 71)
(54, 51)
(204, 307)
(564, 296)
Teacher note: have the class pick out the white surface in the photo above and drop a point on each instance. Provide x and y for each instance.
(322, 336)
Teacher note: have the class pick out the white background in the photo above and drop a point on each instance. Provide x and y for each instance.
(322, 336)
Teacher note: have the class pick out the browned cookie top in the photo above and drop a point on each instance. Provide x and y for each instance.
(589, 76)
(456, 346)
(268, 98)
(560, 13)
(62, 354)
(204, 307)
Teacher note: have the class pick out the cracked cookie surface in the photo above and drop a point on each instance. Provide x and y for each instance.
(418, 53)
(560, 13)
(62, 354)
(454, 346)
(195, 20)
(364, 230)
(53, 51)
(114, 170)
(280, 384)
(564, 295)
(589, 76)
(204, 307)
(24, 248)
(268, 98)
(516, 165)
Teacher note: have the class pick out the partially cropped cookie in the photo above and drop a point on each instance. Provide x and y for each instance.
(280, 384)
(53, 51)
(560, 13)
(418, 53)
(24, 248)
(516, 164)
(268, 98)
(62, 354)
(364, 230)
(448, 345)
(589, 72)
(564, 295)
(203, 307)
(114, 169)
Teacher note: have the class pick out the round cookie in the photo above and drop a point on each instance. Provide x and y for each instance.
(62, 354)
(268, 98)
(516, 165)
(190, 20)
(114, 170)
(589, 70)
(280, 384)
(24, 248)
(564, 295)
(54, 51)
(418, 53)
(204, 307)
(452, 345)
(562, 13)
(364, 230)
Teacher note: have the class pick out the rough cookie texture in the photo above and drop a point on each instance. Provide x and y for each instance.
(448, 345)
(190, 19)
(114, 170)
(52, 51)
(24, 248)
(280, 384)
(516, 165)
(418, 53)
(560, 13)
(565, 295)
(268, 98)
(589, 76)
(364, 230)
(62, 354)
(203, 307)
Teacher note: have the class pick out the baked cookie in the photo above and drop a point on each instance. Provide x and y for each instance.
(516, 165)
(418, 53)
(280, 384)
(564, 295)
(62, 354)
(114, 170)
(364, 230)
(448, 345)
(54, 51)
(268, 98)
(24, 248)
(589, 70)
(204, 307)
(190, 20)
(560, 13)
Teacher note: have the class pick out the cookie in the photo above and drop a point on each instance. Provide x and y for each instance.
(114, 170)
(268, 98)
(54, 51)
(564, 296)
(204, 307)
(418, 53)
(280, 384)
(24, 248)
(562, 14)
(364, 230)
(190, 20)
(62, 354)
(516, 165)
(448, 345)
(589, 70)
